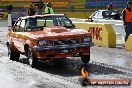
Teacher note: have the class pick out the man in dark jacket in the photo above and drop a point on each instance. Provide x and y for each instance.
(31, 11)
(127, 19)
(110, 7)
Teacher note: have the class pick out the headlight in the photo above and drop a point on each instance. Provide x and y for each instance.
(42, 42)
(86, 39)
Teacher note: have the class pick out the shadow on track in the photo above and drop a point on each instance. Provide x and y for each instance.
(72, 67)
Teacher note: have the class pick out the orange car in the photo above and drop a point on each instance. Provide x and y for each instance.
(47, 37)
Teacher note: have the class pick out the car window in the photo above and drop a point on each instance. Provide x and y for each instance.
(58, 21)
(22, 24)
(99, 14)
(18, 23)
(65, 22)
(106, 14)
(49, 23)
(46, 21)
(40, 22)
(96, 15)
(31, 24)
(17, 26)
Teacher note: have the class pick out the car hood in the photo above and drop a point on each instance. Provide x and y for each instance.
(57, 32)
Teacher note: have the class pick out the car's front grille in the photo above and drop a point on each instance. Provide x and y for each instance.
(64, 42)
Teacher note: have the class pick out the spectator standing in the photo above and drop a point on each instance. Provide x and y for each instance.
(31, 10)
(110, 7)
(49, 9)
(9, 8)
(40, 7)
(127, 19)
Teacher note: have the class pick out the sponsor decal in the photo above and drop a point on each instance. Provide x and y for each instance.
(86, 81)
(96, 33)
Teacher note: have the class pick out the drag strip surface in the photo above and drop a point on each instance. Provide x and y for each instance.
(64, 73)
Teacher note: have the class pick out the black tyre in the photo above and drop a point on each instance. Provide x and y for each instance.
(13, 55)
(32, 61)
(85, 58)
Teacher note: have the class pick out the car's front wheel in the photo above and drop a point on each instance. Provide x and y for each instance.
(13, 55)
(32, 61)
(85, 58)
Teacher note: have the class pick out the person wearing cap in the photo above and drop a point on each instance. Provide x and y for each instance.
(110, 7)
(127, 19)
(49, 9)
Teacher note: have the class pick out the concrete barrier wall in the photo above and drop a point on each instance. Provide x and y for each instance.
(3, 15)
(128, 44)
(102, 34)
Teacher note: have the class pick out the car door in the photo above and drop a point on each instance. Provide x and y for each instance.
(18, 37)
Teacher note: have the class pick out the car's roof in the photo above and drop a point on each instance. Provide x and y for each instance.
(107, 10)
(34, 16)
(103, 10)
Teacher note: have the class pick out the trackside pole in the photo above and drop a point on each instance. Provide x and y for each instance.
(9, 20)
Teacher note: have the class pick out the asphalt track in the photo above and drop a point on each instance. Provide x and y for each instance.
(106, 63)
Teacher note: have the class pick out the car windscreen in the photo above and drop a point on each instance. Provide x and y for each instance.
(48, 21)
(106, 14)
(109, 14)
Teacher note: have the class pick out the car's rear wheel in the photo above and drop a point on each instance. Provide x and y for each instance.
(85, 58)
(13, 55)
(32, 61)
